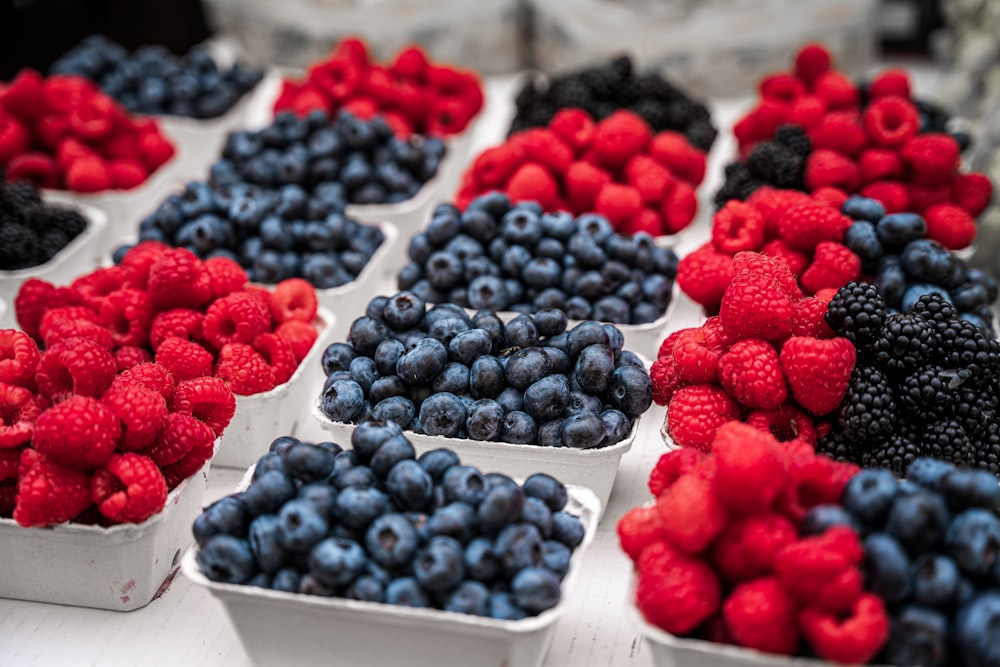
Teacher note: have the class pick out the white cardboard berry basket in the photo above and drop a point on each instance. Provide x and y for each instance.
(282, 411)
(278, 628)
(594, 468)
(120, 568)
(79, 256)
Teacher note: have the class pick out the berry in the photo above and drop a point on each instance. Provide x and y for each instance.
(857, 312)
(691, 515)
(20, 411)
(18, 358)
(854, 639)
(761, 615)
(818, 371)
(129, 488)
(141, 412)
(48, 493)
(178, 279)
(751, 373)
(696, 413)
(806, 225)
(744, 453)
(74, 366)
(833, 265)
(183, 359)
(246, 371)
(207, 399)
(704, 275)
(755, 306)
(237, 318)
(293, 299)
(674, 592)
(746, 548)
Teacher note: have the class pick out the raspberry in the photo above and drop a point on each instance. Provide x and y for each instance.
(645, 174)
(618, 203)
(825, 168)
(237, 318)
(18, 358)
(890, 122)
(127, 313)
(180, 322)
(893, 196)
(772, 204)
(890, 82)
(93, 288)
(574, 126)
(737, 226)
(227, 276)
(32, 301)
(811, 62)
(178, 279)
(9, 460)
(639, 528)
(24, 95)
(127, 174)
(532, 182)
(781, 87)
(149, 375)
(544, 147)
(665, 378)
(155, 150)
(74, 366)
(185, 360)
(176, 473)
(207, 399)
(48, 493)
(931, 157)
(749, 472)
(951, 226)
(715, 332)
(18, 413)
(746, 548)
(855, 639)
(293, 299)
(671, 466)
(620, 136)
(15, 138)
(582, 182)
(755, 306)
(761, 615)
(88, 174)
(61, 324)
(810, 319)
(695, 414)
(180, 435)
(129, 356)
(755, 266)
(839, 131)
(646, 221)
(816, 480)
(806, 112)
(494, 166)
(836, 89)
(972, 192)
(818, 371)
(831, 196)
(34, 167)
(278, 354)
(696, 357)
(300, 336)
(140, 410)
(244, 369)
(679, 207)
(691, 514)
(879, 164)
(80, 432)
(923, 197)
(673, 592)
(833, 265)
(704, 275)
(751, 373)
(808, 567)
(673, 151)
(785, 423)
(140, 259)
(129, 489)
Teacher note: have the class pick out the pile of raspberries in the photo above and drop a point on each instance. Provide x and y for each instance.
(62, 132)
(413, 94)
(730, 551)
(195, 318)
(79, 442)
(814, 129)
(768, 358)
(617, 167)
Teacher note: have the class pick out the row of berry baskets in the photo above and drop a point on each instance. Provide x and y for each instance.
(482, 366)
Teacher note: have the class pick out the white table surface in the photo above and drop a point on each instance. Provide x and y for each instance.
(186, 626)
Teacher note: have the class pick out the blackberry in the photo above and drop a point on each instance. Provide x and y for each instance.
(839, 447)
(932, 307)
(18, 246)
(795, 139)
(929, 391)
(739, 185)
(570, 93)
(975, 410)
(602, 81)
(947, 440)
(51, 242)
(906, 342)
(857, 312)
(66, 219)
(988, 452)
(19, 198)
(702, 134)
(653, 87)
(965, 346)
(868, 410)
(771, 162)
(895, 454)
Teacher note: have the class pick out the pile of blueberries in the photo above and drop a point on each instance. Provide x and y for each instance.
(366, 162)
(152, 80)
(31, 232)
(375, 523)
(931, 552)
(273, 234)
(440, 372)
(501, 256)
(906, 265)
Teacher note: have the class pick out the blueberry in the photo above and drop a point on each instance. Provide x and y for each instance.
(511, 399)
(409, 485)
(311, 585)
(630, 390)
(265, 543)
(300, 525)
(869, 495)
(541, 272)
(518, 427)
(586, 251)
(488, 292)
(486, 378)
(918, 520)
(547, 398)
(503, 607)
(337, 561)
(438, 567)
(861, 239)
(536, 589)
(357, 507)
(407, 592)
(517, 546)
(898, 229)
(398, 409)
(928, 473)
(386, 387)
(421, 364)
(442, 228)
(556, 557)
(307, 462)
(404, 311)
(537, 513)
(445, 328)
(454, 519)
(527, 366)
(444, 270)
(928, 261)
(969, 296)
(973, 541)
(521, 332)
(468, 345)
(228, 516)
(547, 489)
(286, 579)
(981, 277)
(887, 567)
(567, 529)
(616, 426)
(366, 334)
(583, 430)
(974, 630)
(582, 402)
(454, 379)
(227, 559)
(338, 357)
(500, 506)
(549, 434)
(584, 335)
(971, 488)
(490, 322)
(479, 225)
(391, 540)
(386, 356)
(366, 588)
(268, 493)
(594, 367)
(558, 225)
(918, 636)
(483, 419)
(465, 484)
(559, 359)
(437, 462)
(343, 401)
(480, 563)
(420, 248)
(389, 453)
(370, 435)
(863, 208)
(935, 580)
(471, 597)
(322, 495)
(442, 414)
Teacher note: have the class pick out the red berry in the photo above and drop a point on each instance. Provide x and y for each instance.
(818, 371)
(227, 276)
(620, 136)
(34, 167)
(574, 126)
(972, 192)
(179, 436)
(140, 410)
(24, 96)
(178, 279)
(494, 166)
(772, 204)
(582, 183)
(88, 174)
(696, 413)
(129, 489)
(879, 164)
(756, 266)
(80, 433)
(18, 358)
(810, 567)
(543, 146)
(785, 423)
(127, 174)
(761, 615)
(795, 261)
(812, 61)
(532, 182)
(696, 355)
(300, 335)
(781, 87)
(673, 151)
(826, 168)
(839, 131)
(60, 324)
(127, 313)
(244, 369)
(951, 226)
(836, 89)
(237, 318)
(755, 306)
(672, 466)
(892, 194)
(890, 122)
(74, 366)
(890, 82)
(691, 514)
(737, 226)
(18, 413)
(833, 265)
(679, 207)
(806, 225)
(140, 259)
(293, 299)
(855, 639)
(651, 180)
(931, 157)
(666, 379)
(185, 360)
(207, 399)
(618, 203)
(93, 288)
(194, 461)
(674, 592)
(129, 356)
(639, 528)
(278, 354)
(704, 275)
(751, 373)
(746, 548)
(749, 471)
(180, 322)
(149, 375)
(48, 493)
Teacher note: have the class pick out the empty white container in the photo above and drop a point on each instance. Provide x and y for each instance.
(78, 257)
(594, 468)
(120, 568)
(263, 417)
(278, 628)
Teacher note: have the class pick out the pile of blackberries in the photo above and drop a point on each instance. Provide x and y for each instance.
(31, 232)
